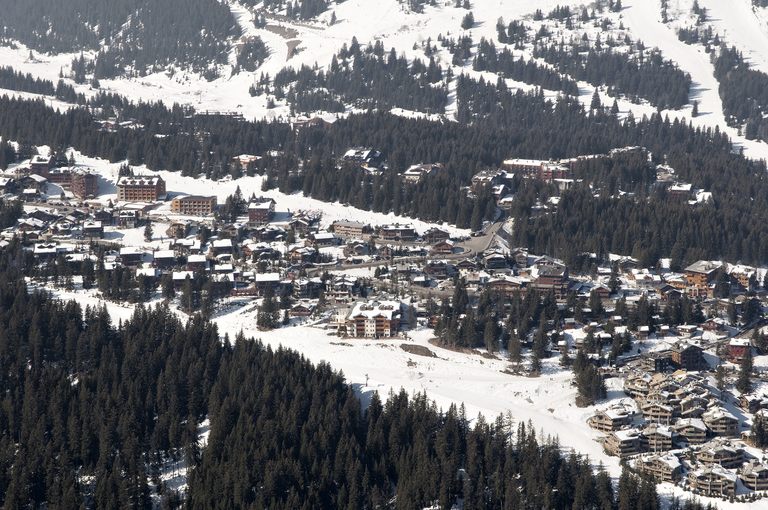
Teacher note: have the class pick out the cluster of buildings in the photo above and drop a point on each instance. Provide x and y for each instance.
(31, 182)
(678, 430)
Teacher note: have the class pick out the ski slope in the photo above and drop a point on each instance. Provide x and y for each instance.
(738, 23)
(643, 18)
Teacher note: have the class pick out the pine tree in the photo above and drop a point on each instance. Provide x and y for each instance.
(595, 104)
(759, 431)
(148, 231)
(514, 347)
(744, 381)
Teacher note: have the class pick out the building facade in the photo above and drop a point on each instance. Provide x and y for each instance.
(140, 189)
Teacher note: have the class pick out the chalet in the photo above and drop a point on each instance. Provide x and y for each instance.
(738, 349)
(692, 406)
(302, 254)
(307, 288)
(680, 190)
(222, 246)
(445, 247)
(699, 276)
(602, 291)
(356, 249)
(657, 412)
(688, 356)
(637, 385)
(7, 184)
(313, 122)
(755, 476)
(179, 278)
(151, 274)
(246, 160)
(165, 259)
(105, 216)
(197, 262)
(487, 178)
(397, 232)
(350, 228)
(93, 229)
(302, 310)
(663, 468)
(187, 246)
(30, 195)
(49, 251)
(623, 443)
(439, 269)
(712, 481)
(342, 288)
(506, 285)
(127, 219)
(268, 234)
(691, 430)
(720, 453)
(434, 235)
(224, 268)
(721, 422)
(611, 419)
(415, 173)
(495, 260)
(324, 239)
(261, 212)
(131, 255)
(670, 294)
(374, 319)
(176, 230)
(657, 438)
(753, 403)
(364, 156)
(267, 283)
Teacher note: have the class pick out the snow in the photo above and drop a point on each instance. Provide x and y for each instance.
(452, 377)
(177, 183)
(643, 18)
(738, 23)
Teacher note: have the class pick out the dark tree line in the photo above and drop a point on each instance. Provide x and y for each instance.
(488, 58)
(251, 55)
(95, 409)
(297, 9)
(493, 124)
(138, 34)
(367, 77)
(636, 74)
(744, 92)
(16, 80)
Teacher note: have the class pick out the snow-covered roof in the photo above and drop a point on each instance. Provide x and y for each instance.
(267, 277)
(138, 180)
(371, 309)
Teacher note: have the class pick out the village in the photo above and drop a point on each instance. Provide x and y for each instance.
(682, 420)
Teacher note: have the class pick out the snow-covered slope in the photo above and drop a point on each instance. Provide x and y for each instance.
(643, 17)
(295, 43)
